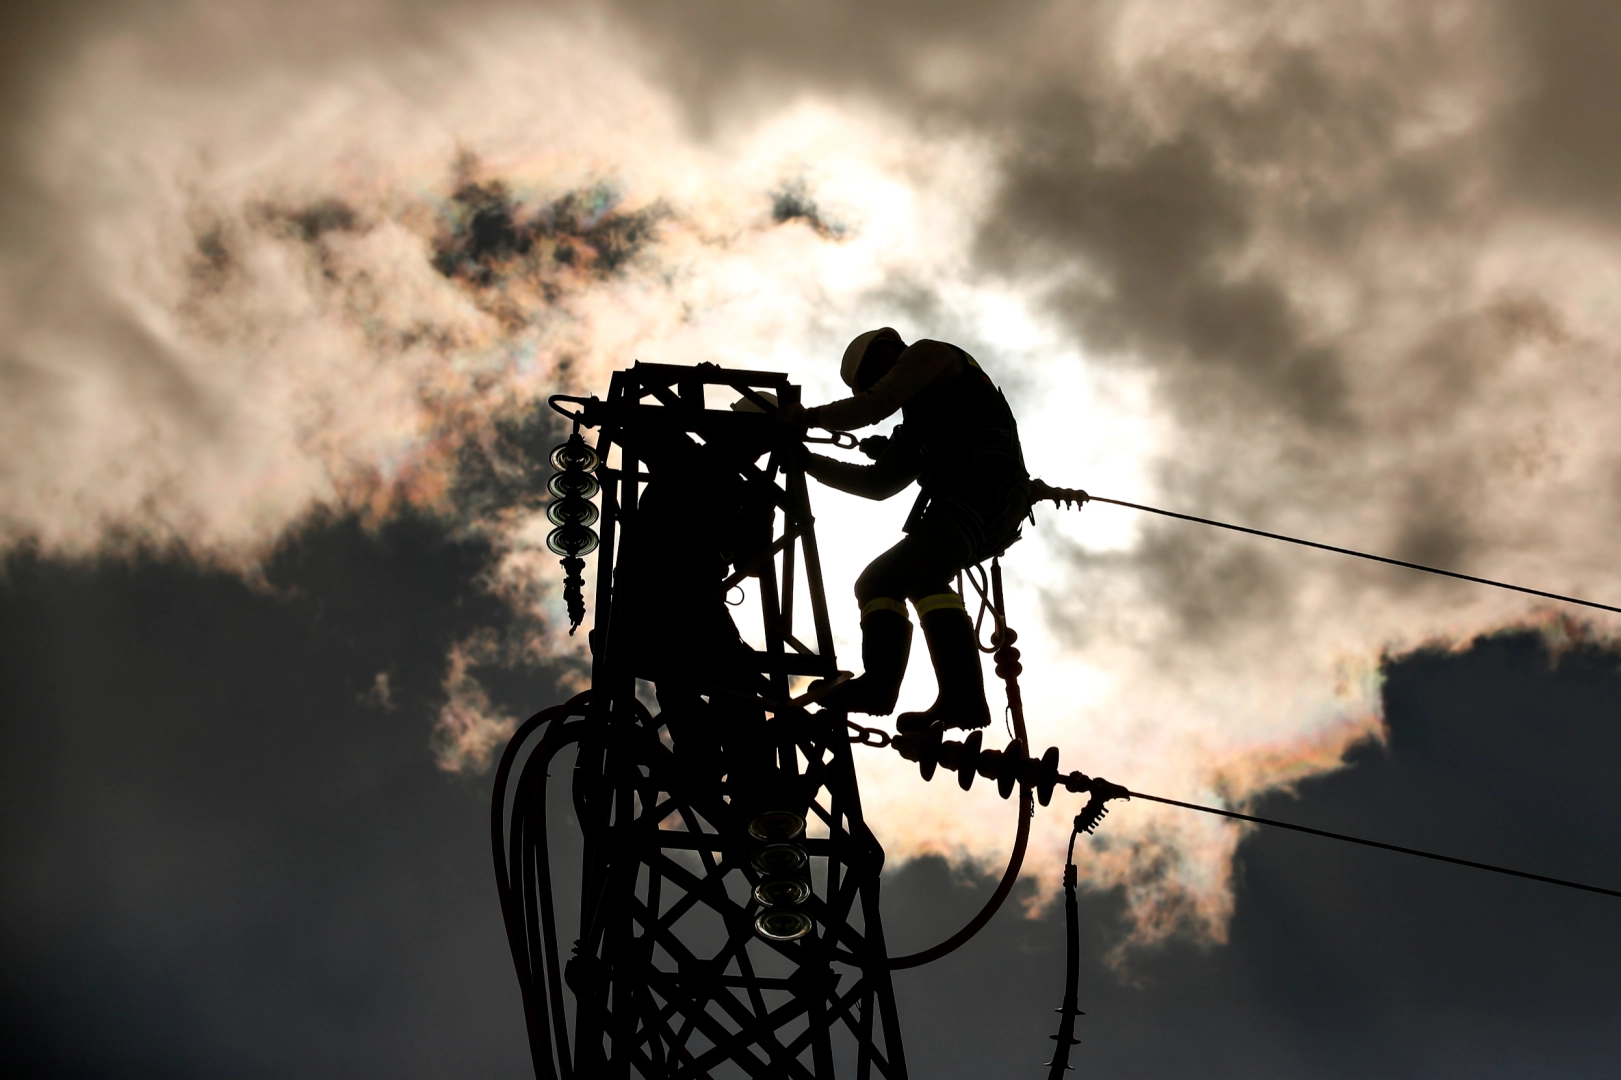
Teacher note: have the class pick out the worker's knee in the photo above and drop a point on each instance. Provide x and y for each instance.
(876, 581)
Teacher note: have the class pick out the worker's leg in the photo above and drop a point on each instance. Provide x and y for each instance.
(886, 643)
(917, 565)
(920, 567)
(942, 545)
(949, 632)
(886, 636)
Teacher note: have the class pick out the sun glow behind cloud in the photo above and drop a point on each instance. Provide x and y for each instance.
(250, 310)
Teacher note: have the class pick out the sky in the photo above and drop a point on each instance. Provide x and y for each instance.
(286, 286)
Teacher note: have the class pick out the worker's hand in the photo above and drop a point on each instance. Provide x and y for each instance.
(795, 417)
(874, 446)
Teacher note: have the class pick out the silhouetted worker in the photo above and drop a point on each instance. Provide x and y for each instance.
(959, 439)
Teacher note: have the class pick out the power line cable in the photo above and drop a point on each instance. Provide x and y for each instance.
(1377, 844)
(1082, 496)
(1046, 492)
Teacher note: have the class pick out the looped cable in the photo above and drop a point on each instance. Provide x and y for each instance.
(578, 417)
(1006, 784)
(981, 585)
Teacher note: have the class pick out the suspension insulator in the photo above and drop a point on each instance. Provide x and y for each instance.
(782, 924)
(572, 541)
(1047, 775)
(1009, 768)
(573, 486)
(575, 456)
(781, 892)
(1005, 636)
(572, 512)
(929, 749)
(784, 885)
(778, 858)
(1007, 663)
(777, 825)
(968, 759)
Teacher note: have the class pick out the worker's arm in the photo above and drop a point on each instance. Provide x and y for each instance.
(896, 467)
(922, 365)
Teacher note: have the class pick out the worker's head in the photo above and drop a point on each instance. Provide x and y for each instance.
(869, 358)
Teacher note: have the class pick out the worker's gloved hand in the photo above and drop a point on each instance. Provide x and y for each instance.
(795, 417)
(874, 446)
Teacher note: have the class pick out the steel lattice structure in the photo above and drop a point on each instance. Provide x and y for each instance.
(669, 975)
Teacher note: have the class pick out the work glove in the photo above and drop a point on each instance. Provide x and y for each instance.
(795, 417)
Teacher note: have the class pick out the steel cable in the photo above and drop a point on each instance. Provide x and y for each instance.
(1085, 497)
(1377, 844)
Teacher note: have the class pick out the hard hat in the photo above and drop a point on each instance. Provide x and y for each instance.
(857, 352)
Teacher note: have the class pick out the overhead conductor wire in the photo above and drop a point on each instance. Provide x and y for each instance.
(1081, 496)
(1377, 844)
(1044, 492)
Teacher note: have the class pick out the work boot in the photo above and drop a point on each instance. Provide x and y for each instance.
(960, 702)
(886, 642)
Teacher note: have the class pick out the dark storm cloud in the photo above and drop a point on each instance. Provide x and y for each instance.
(489, 236)
(1561, 144)
(1155, 231)
(221, 862)
(792, 202)
(1342, 962)
(507, 471)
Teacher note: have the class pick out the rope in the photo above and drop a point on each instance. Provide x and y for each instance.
(1084, 497)
(1377, 844)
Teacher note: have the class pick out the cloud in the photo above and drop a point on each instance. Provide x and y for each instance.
(1336, 272)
